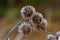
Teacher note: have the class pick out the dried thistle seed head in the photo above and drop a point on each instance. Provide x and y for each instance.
(37, 18)
(25, 28)
(27, 11)
(50, 37)
(42, 25)
(57, 35)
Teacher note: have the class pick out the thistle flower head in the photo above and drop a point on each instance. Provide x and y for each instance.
(43, 25)
(37, 18)
(25, 28)
(58, 33)
(45, 22)
(50, 36)
(27, 11)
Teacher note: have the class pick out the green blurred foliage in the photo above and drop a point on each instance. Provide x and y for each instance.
(3, 4)
(35, 2)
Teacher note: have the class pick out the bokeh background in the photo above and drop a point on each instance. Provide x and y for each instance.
(10, 15)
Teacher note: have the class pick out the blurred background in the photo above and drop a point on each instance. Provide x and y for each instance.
(10, 15)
